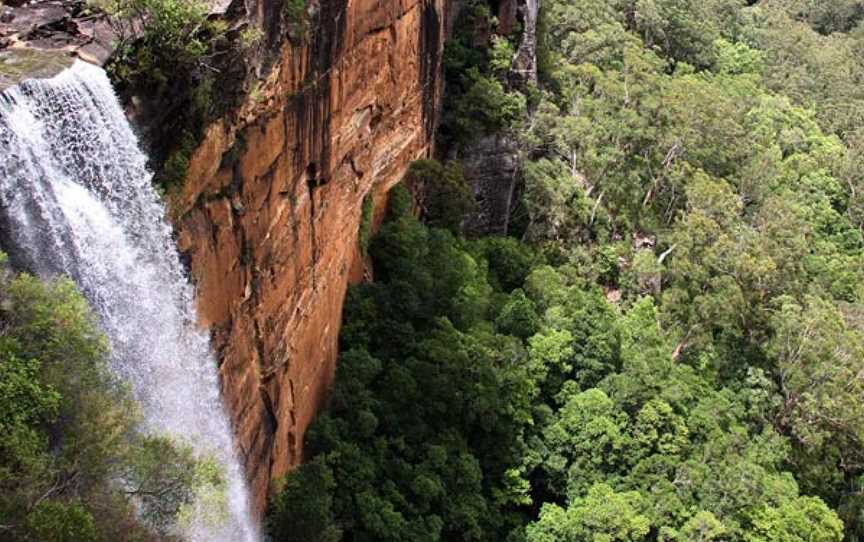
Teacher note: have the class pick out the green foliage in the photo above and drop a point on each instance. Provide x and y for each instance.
(296, 18)
(479, 99)
(412, 457)
(161, 476)
(169, 57)
(501, 54)
(71, 459)
(251, 37)
(517, 408)
(367, 214)
(703, 527)
(158, 36)
(518, 317)
(805, 518)
(302, 511)
(445, 198)
(177, 163)
(60, 522)
(509, 261)
(602, 515)
(484, 107)
(673, 351)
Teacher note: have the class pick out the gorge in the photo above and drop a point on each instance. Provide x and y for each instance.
(270, 237)
(432, 270)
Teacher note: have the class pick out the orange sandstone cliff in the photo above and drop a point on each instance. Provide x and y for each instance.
(269, 214)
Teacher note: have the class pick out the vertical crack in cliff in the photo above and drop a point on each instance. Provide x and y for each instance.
(310, 186)
(430, 51)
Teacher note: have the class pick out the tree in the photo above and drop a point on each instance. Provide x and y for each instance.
(602, 515)
(588, 442)
(802, 519)
(69, 429)
(60, 522)
(819, 368)
(298, 515)
(518, 317)
(701, 528)
(445, 198)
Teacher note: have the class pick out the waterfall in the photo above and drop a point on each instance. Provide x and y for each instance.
(76, 198)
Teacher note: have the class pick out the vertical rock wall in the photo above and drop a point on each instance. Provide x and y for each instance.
(269, 215)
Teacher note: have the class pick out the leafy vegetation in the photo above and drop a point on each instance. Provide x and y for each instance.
(673, 351)
(73, 466)
(443, 199)
(478, 100)
(156, 35)
(296, 18)
(168, 54)
(367, 215)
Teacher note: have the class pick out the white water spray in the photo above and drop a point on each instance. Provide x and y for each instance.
(76, 198)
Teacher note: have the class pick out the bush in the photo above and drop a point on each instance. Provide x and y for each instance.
(444, 195)
(157, 36)
(367, 213)
(69, 428)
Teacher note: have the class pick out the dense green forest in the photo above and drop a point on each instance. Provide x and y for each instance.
(73, 465)
(669, 346)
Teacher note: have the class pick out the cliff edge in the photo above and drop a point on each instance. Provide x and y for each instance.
(268, 217)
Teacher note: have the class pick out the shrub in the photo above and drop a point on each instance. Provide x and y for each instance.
(71, 456)
(367, 213)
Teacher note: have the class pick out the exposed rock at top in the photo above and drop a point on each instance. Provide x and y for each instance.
(39, 39)
(19, 64)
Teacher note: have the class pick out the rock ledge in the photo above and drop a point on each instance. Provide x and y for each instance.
(39, 39)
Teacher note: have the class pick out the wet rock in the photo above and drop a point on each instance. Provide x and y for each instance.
(491, 165)
(17, 64)
(41, 37)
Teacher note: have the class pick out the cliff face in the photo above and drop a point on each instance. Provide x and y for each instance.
(269, 214)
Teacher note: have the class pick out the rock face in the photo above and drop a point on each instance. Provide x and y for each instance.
(492, 163)
(524, 68)
(269, 214)
(39, 39)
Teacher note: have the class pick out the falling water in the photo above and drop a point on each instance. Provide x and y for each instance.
(76, 198)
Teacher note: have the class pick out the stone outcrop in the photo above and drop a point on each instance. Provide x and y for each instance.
(269, 214)
(491, 166)
(39, 39)
(523, 70)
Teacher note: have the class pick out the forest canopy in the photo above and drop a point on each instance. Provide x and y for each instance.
(669, 345)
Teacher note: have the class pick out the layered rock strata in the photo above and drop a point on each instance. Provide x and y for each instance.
(269, 214)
